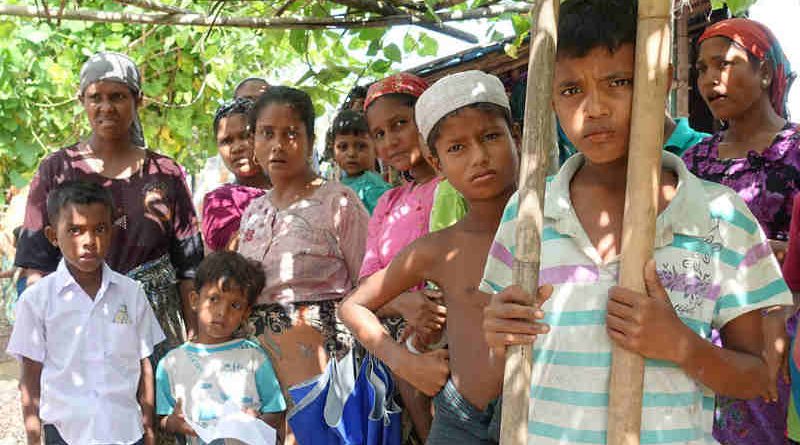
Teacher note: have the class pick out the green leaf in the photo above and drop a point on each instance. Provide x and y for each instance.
(428, 46)
(408, 43)
(35, 35)
(392, 52)
(374, 47)
(521, 23)
(381, 66)
(369, 34)
(297, 38)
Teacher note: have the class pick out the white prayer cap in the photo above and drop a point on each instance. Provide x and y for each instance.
(457, 91)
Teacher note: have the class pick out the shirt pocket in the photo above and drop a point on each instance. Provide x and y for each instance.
(123, 344)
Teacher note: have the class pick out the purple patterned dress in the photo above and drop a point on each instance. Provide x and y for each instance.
(767, 182)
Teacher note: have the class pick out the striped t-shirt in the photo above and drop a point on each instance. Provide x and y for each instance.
(716, 265)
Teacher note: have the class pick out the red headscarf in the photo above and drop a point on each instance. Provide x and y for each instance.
(402, 83)
(759, 41)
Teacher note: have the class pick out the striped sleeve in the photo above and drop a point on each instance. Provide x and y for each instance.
(755, 280)
(497, 272)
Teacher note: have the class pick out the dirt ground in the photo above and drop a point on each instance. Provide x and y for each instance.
(11, 429)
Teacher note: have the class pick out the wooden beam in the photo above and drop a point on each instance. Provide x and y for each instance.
(653, 46)
(538, 139)
(682, 67)
(195, 19)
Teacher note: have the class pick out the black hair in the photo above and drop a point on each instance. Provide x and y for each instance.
(349, 122)
(358, 92)
(237, 106)
(297, 100)
(404, 99)
(231, 269)
(486, 107)
(584, 25)
(77, 192)
(247, 81)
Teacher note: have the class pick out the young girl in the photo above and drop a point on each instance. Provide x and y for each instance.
(308, 235)
(223, 206)
(402, 214)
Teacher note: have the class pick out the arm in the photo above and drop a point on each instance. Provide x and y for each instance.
(146, 398)
(428, 372)
(176, 422)
(648, 325)
(29, 387)
(350, 221)
(185, 288)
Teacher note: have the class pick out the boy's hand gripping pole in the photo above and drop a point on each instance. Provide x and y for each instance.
(539, 139)
(653, 45)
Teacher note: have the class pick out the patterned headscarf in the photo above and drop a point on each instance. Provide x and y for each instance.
(759, 41)
(118, 68)
(402, 83)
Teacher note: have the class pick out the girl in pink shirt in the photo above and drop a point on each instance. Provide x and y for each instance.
(401, 216)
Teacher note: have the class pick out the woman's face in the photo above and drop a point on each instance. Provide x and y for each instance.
(236, 146)
(391, 124)
(728, 82)
(281, 143)
(110, 107)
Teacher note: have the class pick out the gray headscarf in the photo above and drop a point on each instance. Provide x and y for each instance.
(119, 68)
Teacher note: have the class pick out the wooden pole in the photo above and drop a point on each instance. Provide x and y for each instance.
(538, 140)
(641, 204)
(682, 40)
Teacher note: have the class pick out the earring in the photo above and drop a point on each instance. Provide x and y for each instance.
(764, 83)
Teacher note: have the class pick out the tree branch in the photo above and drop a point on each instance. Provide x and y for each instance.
(387, 9)
(156, 6)
(195, 19)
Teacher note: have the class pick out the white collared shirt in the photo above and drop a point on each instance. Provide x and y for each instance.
(90, 351)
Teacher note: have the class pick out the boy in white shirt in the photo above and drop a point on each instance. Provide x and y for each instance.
(84, 334)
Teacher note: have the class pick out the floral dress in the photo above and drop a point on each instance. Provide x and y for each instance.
(767, 182)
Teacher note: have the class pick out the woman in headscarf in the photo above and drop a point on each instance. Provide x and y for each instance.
(155, 236)
(744, 77)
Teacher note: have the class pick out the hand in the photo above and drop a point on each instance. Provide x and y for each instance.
(646, 323)
(776, 349)
(512, 318)
(176, 422)
(423, 311)
(779, 249)
(428, 372)
(251, 412)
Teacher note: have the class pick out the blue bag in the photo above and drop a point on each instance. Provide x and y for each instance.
(348, 404)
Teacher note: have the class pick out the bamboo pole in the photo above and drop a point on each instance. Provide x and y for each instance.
(537, 143)
(641, 204)
(682, 31)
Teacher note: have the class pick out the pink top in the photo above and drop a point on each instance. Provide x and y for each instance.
(401, 216)
(311, 250)
(222, 211)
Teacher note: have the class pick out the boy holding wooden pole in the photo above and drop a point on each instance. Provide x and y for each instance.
(710, 268)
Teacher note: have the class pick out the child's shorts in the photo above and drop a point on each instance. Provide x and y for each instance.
(52, 437)
(457, 421)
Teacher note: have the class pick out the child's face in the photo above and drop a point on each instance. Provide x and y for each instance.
(353, 153)
(236, 146)
(592, 96)
(281, 143)
(219, 312)
(477, 153)
(391, 123)
(83, 234)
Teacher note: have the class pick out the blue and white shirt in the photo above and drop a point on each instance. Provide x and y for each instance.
(714, 261)
(204, 377)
